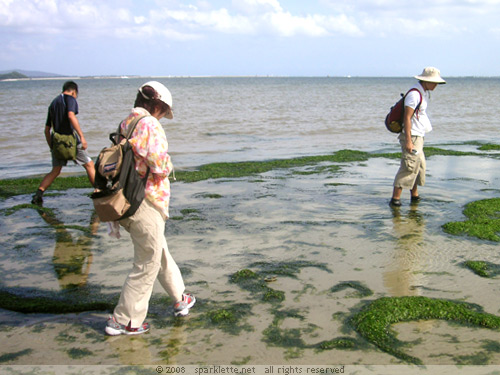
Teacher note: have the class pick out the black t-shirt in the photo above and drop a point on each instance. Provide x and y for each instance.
(57, 116)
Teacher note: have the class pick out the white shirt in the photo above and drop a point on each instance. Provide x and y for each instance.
(420, 123)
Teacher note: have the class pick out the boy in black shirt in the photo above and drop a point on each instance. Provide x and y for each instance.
(61, 118)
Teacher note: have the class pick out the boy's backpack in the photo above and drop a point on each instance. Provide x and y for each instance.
(119, 188)
(394, 119)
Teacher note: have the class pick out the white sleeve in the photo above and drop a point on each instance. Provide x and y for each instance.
(412, 99)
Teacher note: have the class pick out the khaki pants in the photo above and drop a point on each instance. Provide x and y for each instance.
(152, 261)
(412, 168)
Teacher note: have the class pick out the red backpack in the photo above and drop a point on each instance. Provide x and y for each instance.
(394, 119)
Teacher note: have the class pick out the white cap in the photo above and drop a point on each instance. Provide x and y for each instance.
(163, 94)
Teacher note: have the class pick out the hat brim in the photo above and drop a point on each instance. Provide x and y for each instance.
(437, 80)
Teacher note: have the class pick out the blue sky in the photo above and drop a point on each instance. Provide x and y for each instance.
(251, 37)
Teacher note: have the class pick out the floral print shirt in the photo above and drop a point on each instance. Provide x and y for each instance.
(150, 146)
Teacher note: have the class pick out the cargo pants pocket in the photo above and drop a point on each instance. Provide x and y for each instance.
(411, 162)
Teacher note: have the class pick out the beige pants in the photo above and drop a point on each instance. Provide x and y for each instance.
(412, 168)
(152, 261)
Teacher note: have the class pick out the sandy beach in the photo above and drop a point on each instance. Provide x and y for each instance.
(320, 240)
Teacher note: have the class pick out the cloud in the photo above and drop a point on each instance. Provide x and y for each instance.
(178, 21)
(95, 18)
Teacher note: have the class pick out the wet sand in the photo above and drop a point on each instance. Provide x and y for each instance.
(335, 224)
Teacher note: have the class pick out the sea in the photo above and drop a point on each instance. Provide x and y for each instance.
(230, 119)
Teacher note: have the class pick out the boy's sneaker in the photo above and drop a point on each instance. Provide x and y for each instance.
(37, 199)
(113, 328)
(181, 308)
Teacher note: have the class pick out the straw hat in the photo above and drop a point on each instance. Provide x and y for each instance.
(431, 74)
(163, 94)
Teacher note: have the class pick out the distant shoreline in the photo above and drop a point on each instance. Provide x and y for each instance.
(59, 78)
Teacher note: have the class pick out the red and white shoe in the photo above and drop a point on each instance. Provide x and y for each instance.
(181, 308)
(113, 328)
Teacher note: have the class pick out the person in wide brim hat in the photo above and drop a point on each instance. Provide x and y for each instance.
(416, 124)
(431, 74)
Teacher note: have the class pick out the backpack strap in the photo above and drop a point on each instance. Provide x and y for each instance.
(420, 102)
(115, 137)
(130, 130)
(132, 126)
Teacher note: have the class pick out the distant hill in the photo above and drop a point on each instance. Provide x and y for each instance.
(29, 73)
(12, 75)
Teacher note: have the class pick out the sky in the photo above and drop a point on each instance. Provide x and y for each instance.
(251, 37)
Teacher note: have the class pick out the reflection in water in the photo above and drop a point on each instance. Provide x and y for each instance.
(138, 350)
(405, 276)
(71, 259)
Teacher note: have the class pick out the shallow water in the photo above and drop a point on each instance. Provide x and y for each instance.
(339, 219)
(239, 119)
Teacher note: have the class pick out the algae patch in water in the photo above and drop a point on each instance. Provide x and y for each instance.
(12, 187)
(229, 318)
(291, 339)
(17, 186)
(258, 282)
(483, 220)
(8, 357)
(361, 290)
(489, 147)
(78, 353)
(55, 303)
(374, 321)
(482, 268)
(43, 210)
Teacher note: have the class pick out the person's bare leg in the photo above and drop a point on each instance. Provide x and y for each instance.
(44, 185)
(90, 169)
(396, 196)
(49, 178)
(396, 193)
(414, 191)
(414, 194)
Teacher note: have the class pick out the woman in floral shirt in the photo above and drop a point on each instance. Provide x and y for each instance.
(152, 260)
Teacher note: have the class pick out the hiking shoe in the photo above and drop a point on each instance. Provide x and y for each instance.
(181, 308)
(37, 199)
(113, 328)
(415, 199)
(395, 202)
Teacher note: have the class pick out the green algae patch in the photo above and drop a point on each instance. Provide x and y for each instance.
(291, 338)
(243, 275)
(257, 282)
(289, 269)
(483, 220)
(285, 338)
(55, 303)
(345, 343)
(12, 187)
(8, 357)
(374, 321)
(244, 169)
(78, 353)
(229, 318)
(360, 289)
(482, 268)
(489, 147)
(435, 151)
(18, 186)
(12, 210)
